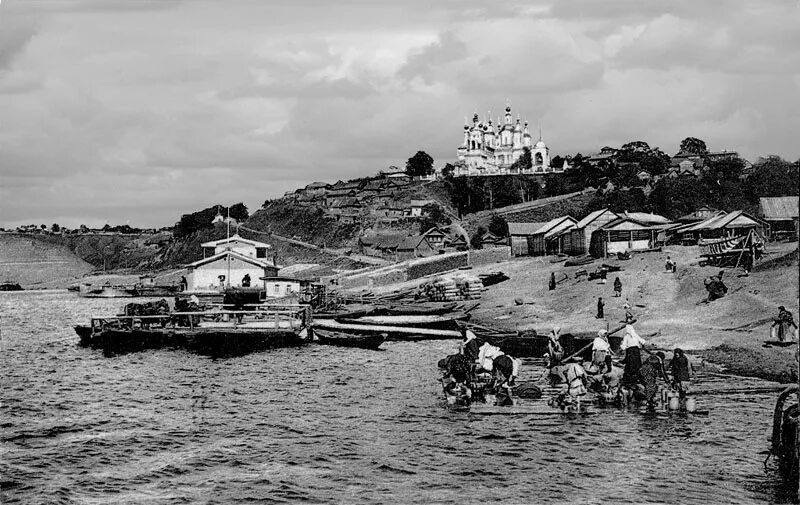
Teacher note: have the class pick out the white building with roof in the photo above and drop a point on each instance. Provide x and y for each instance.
(230, 262)
(490, 150)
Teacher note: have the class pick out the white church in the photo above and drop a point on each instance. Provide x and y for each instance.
(487, 150)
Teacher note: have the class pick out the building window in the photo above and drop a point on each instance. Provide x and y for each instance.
(261, 252)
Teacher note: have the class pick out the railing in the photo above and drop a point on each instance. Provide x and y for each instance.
(297, 316)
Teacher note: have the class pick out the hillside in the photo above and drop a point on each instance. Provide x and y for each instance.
(37, 264)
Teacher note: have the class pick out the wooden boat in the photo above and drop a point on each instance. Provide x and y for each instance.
(579, 260)
(84, 332)
(447, 322)
(216, 333)
(392, 332)
(419, 309)
(348, 340)
(105, 291)
(352, 313)
(10, 286)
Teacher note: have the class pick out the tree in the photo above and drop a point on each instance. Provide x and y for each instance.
(239, 212)
(523, 163)
(475, 242)
(773, 176)
(55, 228)
(692, 145)
(419, 165)
(436, 214)
(498, 225)
(448, 170)
(43, 227)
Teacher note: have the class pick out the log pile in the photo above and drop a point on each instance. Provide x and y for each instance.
(450, 289)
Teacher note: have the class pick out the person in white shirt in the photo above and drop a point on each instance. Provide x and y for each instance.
(601, 352)
(632, 345)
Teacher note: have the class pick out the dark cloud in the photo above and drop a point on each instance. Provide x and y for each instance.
(113, 106)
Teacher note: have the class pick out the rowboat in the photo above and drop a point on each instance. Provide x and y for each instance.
(392, 332)
(418, 309)
(417, 321)
(352, 313)
(348, 340)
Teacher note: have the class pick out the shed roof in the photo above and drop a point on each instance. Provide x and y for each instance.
(556, 225)
(735, 219)
(233, 254)
(645, 217)
(779, 207)
(234, 238)
(591, 217)
(524, 228)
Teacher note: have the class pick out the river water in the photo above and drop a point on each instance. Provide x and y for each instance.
(329, 425)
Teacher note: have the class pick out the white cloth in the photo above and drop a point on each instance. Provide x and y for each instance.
(601, 344)
(487, 355)
(631, 338)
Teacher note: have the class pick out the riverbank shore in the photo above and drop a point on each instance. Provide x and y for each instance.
(669, 307)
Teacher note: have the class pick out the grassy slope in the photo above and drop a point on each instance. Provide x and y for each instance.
(36, 264)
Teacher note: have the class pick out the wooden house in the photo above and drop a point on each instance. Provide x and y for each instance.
(521, 236)
(781, 213)
(549, 239)
(416, 246)
(626, 234)
(579, 239)
(724, 225)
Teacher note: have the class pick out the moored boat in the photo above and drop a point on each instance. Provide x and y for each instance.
(218, 332)
(447, 322)
(372, 341)
(392, 332)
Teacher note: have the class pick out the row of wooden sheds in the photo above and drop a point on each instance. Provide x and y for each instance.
(603, 233)
(600, 234)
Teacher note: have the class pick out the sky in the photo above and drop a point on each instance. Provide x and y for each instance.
(138, 111)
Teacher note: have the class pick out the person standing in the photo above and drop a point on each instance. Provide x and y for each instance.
(632, 345)
(681, 370)
(629, 319)
(603, 275)
(784, 322)
(617, 287)
(184, 283)
(600, 305)
(601, 352)
(552, 284)
(649, 373)
(555, 351)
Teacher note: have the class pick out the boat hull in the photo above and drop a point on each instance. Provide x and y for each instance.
(346, 340)
(210, 341)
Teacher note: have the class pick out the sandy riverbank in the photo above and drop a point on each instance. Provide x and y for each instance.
(731, 331)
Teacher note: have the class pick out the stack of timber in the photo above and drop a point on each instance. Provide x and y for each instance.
(460, 287)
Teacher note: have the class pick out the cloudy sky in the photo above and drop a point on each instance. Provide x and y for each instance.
(139, 110)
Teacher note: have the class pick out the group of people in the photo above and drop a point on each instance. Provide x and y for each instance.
(637, 380)
(478, 358)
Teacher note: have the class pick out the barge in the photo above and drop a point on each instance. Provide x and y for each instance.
(214, 332)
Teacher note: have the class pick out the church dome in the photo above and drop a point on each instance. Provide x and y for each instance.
(540, 144)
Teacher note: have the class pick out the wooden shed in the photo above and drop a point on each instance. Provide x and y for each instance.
(733, 224)
(549, 239)
(522, 237)
(625, 235)
(781, 212)
(579, 239)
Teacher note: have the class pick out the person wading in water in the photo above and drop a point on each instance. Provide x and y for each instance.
(632, 345)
